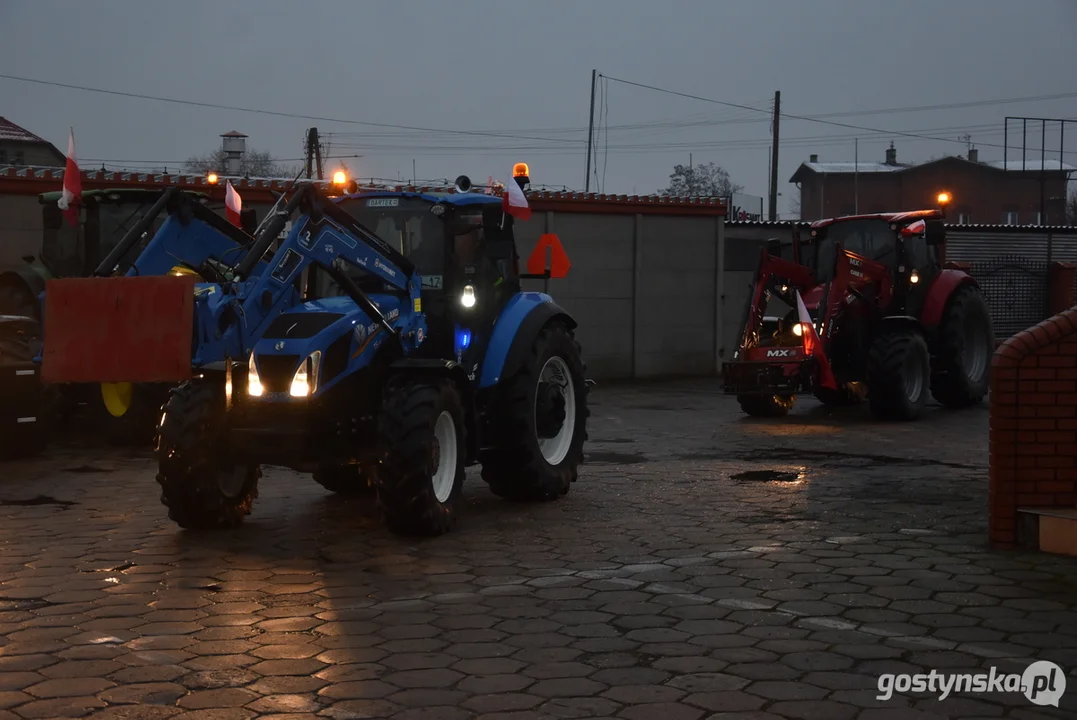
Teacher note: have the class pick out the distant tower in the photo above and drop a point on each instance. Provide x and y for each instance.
(234, 146)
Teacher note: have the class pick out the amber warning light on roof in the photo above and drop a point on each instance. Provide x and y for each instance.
(521, 170)
(211, 178)
(944, 198)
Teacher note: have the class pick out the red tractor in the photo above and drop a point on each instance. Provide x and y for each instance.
(863, 306)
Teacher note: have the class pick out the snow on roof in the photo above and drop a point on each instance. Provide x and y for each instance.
(11, 132)
(848, 167)
(1030, 164)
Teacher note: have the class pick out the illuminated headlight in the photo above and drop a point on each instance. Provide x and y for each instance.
(785, 288)
(798, 329)
(254, 383)
(467, 298)
(306, 377)
(914, 277)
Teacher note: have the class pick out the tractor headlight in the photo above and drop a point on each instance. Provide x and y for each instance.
(306, 377)
(798, 329)
(914, 277)
(254, 383)
(467, 298)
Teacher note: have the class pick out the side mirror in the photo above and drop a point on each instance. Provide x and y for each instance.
(774, 247)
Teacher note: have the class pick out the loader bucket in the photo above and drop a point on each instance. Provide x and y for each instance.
(118, 329)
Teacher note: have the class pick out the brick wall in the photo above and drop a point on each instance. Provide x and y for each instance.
(1033, 424)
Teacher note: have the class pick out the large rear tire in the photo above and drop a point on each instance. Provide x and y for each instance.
(767, 406)
(128, 413)
(201, 487)
(15, 299)
(347, 480)
(540, 422)
(899, 372)
(962, 374)
(421, 472)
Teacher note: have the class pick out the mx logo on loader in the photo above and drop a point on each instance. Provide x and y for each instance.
(782, 352)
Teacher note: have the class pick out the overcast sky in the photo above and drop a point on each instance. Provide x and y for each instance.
(524, 69)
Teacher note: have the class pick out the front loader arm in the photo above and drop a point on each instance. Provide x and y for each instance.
(771, 268)
(853, 274)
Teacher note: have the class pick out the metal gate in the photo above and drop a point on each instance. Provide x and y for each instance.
(1015, 288)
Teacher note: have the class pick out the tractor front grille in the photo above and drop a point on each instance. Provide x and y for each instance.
(276, 371)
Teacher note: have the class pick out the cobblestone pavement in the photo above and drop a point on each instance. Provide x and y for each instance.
(705, 566)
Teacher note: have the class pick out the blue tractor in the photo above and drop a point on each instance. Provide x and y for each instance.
(386, 344)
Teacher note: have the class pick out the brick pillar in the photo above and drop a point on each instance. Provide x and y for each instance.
(1033, 423)
(1061, 286)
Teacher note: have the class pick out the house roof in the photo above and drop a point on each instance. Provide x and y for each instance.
(10, 132)
(838, 168)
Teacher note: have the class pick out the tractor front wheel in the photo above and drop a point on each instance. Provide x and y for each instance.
(966, 344)
(200, 486)
(768, 406)
(540, 422)
(899, 372)
(421, 472)
(346, 480)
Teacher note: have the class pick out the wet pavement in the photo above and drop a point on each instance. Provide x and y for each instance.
(705, 566)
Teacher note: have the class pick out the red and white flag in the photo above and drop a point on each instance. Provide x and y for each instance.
(813, 345)
(71, 197)
(233, 204)
(514, 202)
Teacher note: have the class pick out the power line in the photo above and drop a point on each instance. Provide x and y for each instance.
(789, 115)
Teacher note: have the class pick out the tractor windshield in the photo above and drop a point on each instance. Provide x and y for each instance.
(407, 224)
(871, 238)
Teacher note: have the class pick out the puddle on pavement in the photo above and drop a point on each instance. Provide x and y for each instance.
(768, 476)
(37, 500)
(614, 458)
(85, 469)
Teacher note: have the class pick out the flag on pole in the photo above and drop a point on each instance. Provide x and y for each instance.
(514, 202)
(813, 345)
(71, 197)
(233, 204)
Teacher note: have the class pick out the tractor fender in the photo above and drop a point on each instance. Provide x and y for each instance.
(27, 280)
(515, 331)
(432, 366)
(939, 294)
(898, 321)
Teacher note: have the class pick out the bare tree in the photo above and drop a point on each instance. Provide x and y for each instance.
(254, 163)
(794, 209)
(703, 180)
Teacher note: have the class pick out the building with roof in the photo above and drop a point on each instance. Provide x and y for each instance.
(1012, 192)
(20, 147)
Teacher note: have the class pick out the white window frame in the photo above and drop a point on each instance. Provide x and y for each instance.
(964, 219)
(1011, 217)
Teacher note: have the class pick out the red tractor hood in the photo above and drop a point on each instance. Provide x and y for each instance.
(813, 296)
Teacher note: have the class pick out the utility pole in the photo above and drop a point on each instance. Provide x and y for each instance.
(314, 154)
(590, 131)
(856, 176)
(691, 177)
(774, 157)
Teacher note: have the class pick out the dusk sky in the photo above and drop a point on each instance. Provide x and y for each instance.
(519, 74)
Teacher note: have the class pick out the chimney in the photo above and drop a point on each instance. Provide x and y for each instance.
(891, 155)
(813, 158)
(974, 155)
(234, 146)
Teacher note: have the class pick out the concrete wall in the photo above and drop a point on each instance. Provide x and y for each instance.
(645, 289)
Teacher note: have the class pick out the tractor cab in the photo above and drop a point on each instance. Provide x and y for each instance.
(462, 246)
(908, 245)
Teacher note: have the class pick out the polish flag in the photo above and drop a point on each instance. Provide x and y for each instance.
(514, 202)
(233, 204)
(813, 345)
(71, 197)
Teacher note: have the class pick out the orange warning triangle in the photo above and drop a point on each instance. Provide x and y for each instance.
(558, 258)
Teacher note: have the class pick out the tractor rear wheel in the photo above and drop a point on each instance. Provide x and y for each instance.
(540, 422)
(343, 480)
(768, 406)
(128, 413)
(421, 472)
(966, 343)
(899, 372)
(201, 487)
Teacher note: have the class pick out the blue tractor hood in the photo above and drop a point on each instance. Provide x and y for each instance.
(345, 336)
